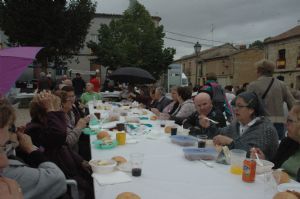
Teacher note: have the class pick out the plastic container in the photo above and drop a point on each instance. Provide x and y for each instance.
(183, 140)
(103, 166)
(263, 169)
(200, 153)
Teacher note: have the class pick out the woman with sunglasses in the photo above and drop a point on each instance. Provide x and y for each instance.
(42, 179)
(288, 154)
(250, 128)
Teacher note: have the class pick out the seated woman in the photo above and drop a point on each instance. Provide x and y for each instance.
(49, 126)
(41, 179)
(186, 105)
(171, 108)
(250, 129)
(287, 156)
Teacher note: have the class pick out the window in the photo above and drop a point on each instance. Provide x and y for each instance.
(281, 54)
(281, 59)
(298, 58)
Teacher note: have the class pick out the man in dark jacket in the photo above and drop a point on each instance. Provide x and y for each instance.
(79, 85)
(205, 109)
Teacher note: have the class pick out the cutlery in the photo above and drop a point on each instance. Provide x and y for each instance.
(207, 163)
(213, 121)
(259, 162)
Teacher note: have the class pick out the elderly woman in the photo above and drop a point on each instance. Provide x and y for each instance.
(49, 127)
(171, 108)
(41, 179)
(288, 154)
(250, 129)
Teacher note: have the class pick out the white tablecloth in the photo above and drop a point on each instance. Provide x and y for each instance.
(166, 174)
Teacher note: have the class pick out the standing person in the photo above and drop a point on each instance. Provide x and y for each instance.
(274, 92)
(218, 95)
(96, 82)
(79, 85)
(43, 82)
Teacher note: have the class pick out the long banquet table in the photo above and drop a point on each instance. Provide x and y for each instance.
(166, 174)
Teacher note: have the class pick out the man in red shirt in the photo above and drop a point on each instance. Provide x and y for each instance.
(96, 82)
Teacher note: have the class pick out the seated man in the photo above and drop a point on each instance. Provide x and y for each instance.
(89, 95)
(162, 100)
(205, 109)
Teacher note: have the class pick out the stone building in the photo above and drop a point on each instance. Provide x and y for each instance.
(284, 50)
(232, 65)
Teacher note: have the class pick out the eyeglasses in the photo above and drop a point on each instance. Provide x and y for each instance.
(240, 106)
(290, 121)
(6, 148)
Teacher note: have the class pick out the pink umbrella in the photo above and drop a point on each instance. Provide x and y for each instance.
(13, 61)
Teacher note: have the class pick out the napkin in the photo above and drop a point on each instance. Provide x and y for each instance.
(111, 178)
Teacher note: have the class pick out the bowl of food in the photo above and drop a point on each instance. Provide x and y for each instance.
(103, 166)
(267, 166)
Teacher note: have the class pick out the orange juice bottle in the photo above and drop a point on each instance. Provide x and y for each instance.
(249, 170)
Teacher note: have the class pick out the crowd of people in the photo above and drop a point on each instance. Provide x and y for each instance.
(36, 159)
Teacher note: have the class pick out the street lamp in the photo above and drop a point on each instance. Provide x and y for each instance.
(197, 48)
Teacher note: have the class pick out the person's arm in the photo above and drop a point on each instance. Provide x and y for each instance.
(288, 97)
(73, 134)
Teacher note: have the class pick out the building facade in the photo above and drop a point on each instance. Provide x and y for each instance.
(232, 65)
(284, 50)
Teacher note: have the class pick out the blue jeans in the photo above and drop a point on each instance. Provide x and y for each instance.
(280, 130)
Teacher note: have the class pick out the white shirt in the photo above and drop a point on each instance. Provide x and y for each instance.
(243, 128)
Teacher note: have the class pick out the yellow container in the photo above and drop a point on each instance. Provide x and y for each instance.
(121, 137)
(237, 170)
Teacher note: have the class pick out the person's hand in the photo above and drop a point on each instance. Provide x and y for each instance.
(259, 152)
(204, 123)
(82, 122)
(25, 143)
(222, 140)
(86, 166)
(155, 111)
(10, 189)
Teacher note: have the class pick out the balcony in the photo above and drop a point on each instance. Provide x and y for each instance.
(280, 63)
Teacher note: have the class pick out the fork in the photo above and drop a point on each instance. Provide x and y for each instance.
(206, 163)
(213, 121)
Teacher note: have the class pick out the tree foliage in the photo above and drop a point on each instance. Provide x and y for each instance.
(257, 44)
(133, 41)
(59, 26)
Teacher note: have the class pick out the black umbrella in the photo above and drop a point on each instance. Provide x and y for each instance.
(132, 75)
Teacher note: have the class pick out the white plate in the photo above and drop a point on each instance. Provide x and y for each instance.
(126, 167)
(109, 125)
(289, 186)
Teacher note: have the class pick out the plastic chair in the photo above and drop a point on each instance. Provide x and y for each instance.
(73, 187)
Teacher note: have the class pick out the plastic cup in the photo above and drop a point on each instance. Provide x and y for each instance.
(120, 126)
(237, 158)
(201, 141)
(136, 160)
(173, 130)
(121, 138)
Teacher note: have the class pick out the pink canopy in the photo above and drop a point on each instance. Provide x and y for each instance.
(13, 61)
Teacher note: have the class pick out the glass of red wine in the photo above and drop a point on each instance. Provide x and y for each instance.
(136, 160)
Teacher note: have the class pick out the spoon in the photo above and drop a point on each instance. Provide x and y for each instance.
(213, 121)
(259, 162)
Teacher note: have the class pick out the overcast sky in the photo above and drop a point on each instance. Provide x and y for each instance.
(234, 21)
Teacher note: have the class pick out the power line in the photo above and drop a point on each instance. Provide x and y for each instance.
(188, 42)
(199, 38)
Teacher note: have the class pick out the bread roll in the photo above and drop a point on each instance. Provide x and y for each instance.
(168, 129)
(119, 159)
(102, 134)
(281, 177)
(128, 195)
(153, 117)
(285, 195)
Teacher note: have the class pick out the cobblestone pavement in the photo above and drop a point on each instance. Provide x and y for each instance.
(23, 116)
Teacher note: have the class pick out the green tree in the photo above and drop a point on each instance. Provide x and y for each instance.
(257, 44)
(133, 41)
(59, 26)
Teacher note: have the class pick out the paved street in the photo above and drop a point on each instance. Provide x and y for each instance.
(23, 116)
